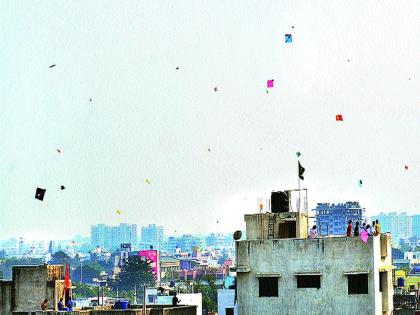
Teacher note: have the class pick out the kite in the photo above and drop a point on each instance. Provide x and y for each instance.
(298, 154)
(287, 38)
(208, 149)
(90, 100)
(270, 84)
(339, 117)
(177, 68)
(360, 183)
(266, 91)
(58, 150)
(148, 181)
(52, 66)
(118, 211)
(293, 26)
(406, 167)
(62, 187)
(39, 194)
(215, 89)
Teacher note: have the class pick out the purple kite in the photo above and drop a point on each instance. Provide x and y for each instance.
(270, 83)
(364, 236)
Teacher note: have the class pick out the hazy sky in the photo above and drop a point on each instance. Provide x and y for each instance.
(358, 58)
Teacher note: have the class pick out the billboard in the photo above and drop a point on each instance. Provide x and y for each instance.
(152, 256)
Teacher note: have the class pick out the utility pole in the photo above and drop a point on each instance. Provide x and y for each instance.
(81, 271)
(144, 300)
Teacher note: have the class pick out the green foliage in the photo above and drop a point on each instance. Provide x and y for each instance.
(84, 290)
(88, 270)
(134, 273)
(208, 288)
(60, 258)
(170, 275)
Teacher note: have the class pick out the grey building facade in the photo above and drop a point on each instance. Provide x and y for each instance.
(298, 275)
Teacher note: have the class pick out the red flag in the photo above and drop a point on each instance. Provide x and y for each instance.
(339, 117)
(67, 278)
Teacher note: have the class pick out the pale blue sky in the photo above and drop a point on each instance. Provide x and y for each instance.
(149, 120)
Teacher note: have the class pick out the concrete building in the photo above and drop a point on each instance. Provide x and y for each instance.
(281, 271)
(226, 302)
(416, 225)
(332, 219)
(29, 286)
(184, 243)
(152, 234)
(169, 267)
(111, 237)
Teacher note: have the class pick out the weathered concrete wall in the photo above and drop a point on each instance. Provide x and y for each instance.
(330, 256)
(383, 262)
(30, 287)
(5, 297)
(165, 310)
(257, 224)
(226, 299)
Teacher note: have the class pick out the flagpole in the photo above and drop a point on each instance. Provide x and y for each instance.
(298, 188)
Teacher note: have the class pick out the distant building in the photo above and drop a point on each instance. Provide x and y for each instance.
(226, 302)
(416, 225)
(152, 234)
(185, 243)
(216, 240)
(332, 219)
(169, 267)
(398, 224)
(282, 271)
(111, 237)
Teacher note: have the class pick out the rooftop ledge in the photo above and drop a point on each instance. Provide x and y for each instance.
(243, 269)
(268, 274)
(308, 273)
(324, 237)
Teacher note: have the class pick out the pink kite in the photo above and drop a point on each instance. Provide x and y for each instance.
(364, 236)
(270, 83)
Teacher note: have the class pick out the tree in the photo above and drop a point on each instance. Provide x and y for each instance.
(134, 273)
(208, 288)
(60, 258)
(88, 271)
(83, 290)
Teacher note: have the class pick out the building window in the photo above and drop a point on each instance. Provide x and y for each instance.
(358, 283)
(308, 281)
(269, 286)
(229, 311)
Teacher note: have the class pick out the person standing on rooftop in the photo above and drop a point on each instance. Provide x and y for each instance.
(377, 228)
(356, 229)
(314, 233)
(349, 229)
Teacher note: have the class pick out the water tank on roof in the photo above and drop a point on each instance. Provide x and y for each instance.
(400, 282)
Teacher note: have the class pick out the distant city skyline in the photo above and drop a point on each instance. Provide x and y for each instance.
(162, 113)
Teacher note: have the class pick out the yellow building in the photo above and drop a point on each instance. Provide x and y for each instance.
(411, 282)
